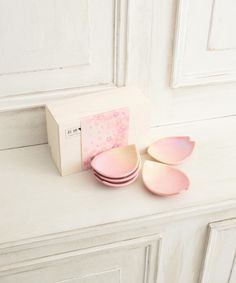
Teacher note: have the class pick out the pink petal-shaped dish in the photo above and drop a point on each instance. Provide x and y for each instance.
(171, 150)
(118, 162)
(118, 180)
(164, 180)
(117, 185)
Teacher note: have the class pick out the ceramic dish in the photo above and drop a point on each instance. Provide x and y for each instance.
(163, 180)
(117, 185)
(171, 150)
(118, 180)
(117, 162)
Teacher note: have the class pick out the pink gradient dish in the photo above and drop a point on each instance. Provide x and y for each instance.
(117, 185)
(117, 180)
(118, 162)
(171, 150)
(120, 178)
(164, 180)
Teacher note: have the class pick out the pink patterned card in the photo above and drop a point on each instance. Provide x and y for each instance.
(103, 131)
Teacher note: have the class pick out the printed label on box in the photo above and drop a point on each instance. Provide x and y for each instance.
(72, 131)
(103, 131)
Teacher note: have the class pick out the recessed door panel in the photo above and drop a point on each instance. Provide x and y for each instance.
(205, 42)
(59, 44)
(220, 260)
(132, 261)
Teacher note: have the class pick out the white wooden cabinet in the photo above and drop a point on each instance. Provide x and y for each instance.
(173, 255)
(181, 53)
(73, 229)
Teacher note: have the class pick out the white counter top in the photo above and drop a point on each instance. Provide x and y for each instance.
(36, 201)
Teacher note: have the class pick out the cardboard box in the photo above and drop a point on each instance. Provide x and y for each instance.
(124, 114)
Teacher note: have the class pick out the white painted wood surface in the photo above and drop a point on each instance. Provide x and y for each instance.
(103, 264)
(59, 44)
(221, 33)
(22, 128)
(101, 45)
(180, 56)
(46, 35)
(201, 25)
(220, 261)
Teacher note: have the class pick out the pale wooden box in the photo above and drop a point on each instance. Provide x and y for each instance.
(65, 115)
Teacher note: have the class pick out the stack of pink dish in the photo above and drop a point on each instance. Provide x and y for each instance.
(117, 167)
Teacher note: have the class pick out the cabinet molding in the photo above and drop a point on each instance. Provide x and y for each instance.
(119, 55)
(94, 57)
(220, 260)
(150, 244)
(196, 61)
